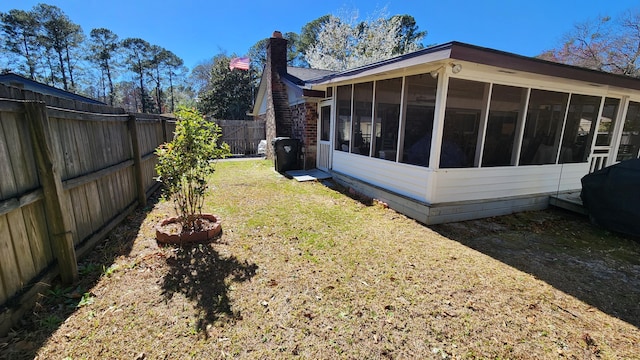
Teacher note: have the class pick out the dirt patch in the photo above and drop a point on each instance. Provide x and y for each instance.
(564, 250)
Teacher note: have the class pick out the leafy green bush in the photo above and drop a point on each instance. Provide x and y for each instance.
(185, 163)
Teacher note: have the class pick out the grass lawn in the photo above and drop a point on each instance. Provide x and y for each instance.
(304, 271)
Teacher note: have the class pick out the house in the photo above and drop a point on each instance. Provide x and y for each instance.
(11, 79)
(455, 131)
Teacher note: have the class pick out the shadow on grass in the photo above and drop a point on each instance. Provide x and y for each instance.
(563, 249)
(55, 305)
(200, 273)
(349, 192)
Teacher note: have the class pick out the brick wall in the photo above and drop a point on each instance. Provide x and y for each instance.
(310, 134)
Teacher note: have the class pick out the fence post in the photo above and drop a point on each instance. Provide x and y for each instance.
(137, 161)
(59, 228)
(163, 122)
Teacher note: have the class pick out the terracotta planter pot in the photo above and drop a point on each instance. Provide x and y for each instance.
(164, 237)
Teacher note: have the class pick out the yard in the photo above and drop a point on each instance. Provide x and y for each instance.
(306, 270)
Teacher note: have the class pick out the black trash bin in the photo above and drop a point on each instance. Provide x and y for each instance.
(286, 153)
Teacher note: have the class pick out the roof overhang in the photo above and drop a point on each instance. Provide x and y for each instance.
(456, 51)
(294, 87)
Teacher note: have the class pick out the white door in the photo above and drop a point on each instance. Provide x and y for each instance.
(607, 129)
(324, 136)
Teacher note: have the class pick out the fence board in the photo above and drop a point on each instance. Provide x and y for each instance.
(8, 264)
(88, 130)
(106, 149)
(81, 141)
(111, 145)
(125, 141)
(80, 212)
(116, 190)
(21, 245)
(95, 206)
(101, 154)
(8, 187)
(29, 166)
(145, 136)
(18, 159)
(3, 293)
(103, 198)
(125, 184)
(56, 146)
(154, 138)
(69, 150)
(70, 216)
(121, 189)
(131, 187)
(38, 237)
(159, 137)
(108, 196)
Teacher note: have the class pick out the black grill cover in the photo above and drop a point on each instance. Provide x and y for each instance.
(611, 196)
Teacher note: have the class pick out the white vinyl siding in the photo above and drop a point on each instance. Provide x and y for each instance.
(407, 180)
(500, 182)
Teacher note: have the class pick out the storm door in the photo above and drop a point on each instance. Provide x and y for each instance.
(601, 155)
(324, 135)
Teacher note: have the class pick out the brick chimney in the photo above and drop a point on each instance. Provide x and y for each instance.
(278, 117)
(277, 52)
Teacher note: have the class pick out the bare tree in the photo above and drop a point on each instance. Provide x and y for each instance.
(604, 44)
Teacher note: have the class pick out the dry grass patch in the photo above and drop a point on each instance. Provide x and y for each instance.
(303, 271)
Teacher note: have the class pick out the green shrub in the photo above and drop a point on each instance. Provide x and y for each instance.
(185, 163)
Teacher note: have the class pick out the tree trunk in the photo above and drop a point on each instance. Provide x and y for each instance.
(171, 89)
(73, 84)
(111, 94)
(158, 90)
(102, 84)
(30, 62)
(64, 74)
(142, 97)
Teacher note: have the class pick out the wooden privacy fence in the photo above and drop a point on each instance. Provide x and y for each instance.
(243, 136)
(69, 172)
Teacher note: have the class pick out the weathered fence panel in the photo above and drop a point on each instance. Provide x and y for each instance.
(80, 156)
(243, 136)
(151, 134)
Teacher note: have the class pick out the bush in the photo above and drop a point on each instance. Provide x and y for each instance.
(185, 163)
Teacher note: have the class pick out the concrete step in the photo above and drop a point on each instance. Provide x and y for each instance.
(569, 201)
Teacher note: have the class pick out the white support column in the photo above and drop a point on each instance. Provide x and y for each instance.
(564, 124)
(438, 120)
(372, 140)
(517, 144)
(482, 128)
(436, 133)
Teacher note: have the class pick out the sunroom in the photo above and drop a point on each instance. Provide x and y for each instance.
(457, 132)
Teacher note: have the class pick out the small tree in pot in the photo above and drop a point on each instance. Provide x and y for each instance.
(184, 165)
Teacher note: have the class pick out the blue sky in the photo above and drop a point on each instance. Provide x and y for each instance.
(198, 30)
